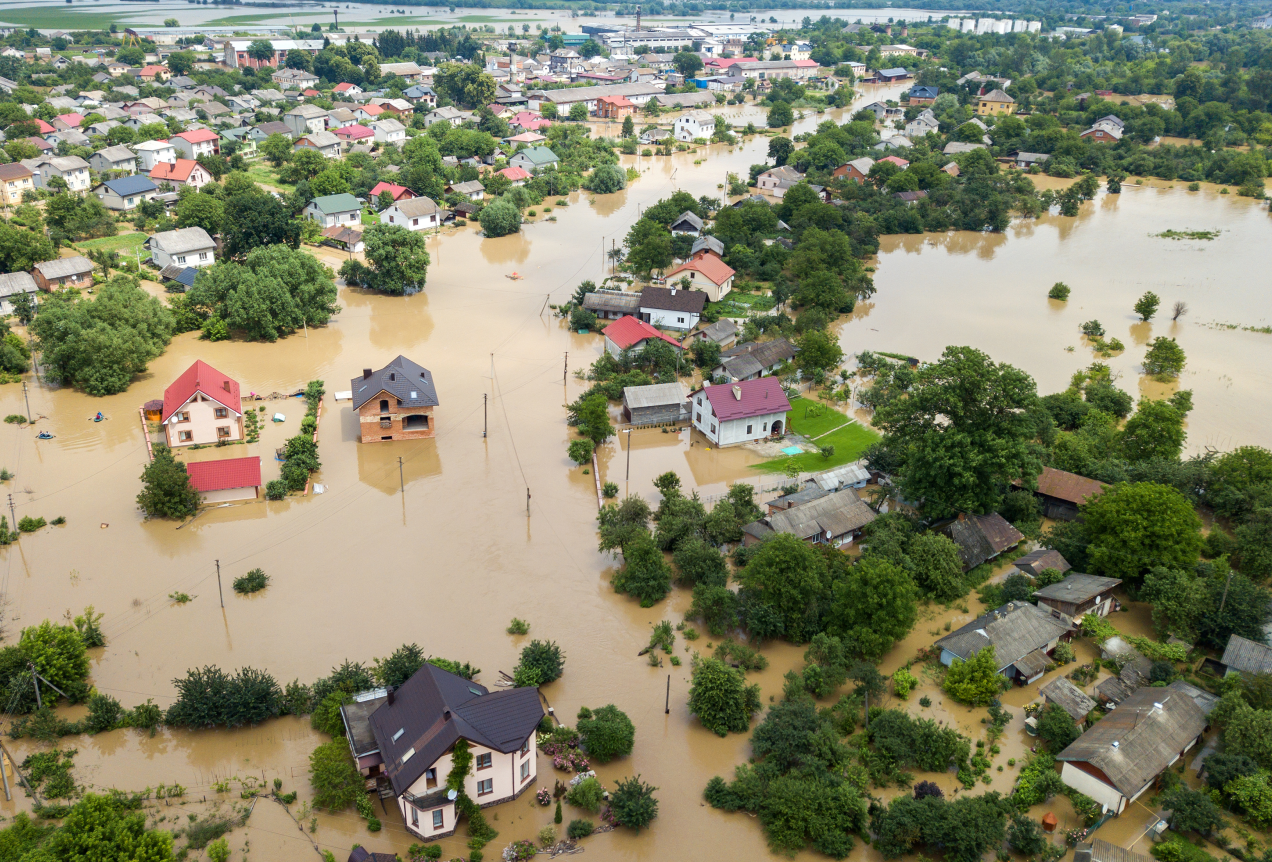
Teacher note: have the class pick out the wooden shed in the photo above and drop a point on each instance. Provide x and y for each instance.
(654, 405)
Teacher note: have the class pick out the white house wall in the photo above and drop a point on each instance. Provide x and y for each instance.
(1086, 783)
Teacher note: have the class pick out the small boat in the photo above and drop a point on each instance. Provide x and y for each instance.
(99, 417)
(44, 435)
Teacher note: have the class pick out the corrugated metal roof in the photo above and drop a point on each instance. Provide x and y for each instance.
(1077, 588)
(1247, 656)
(64, 266)
(1135, 742)
(837, 514)
(1070, 698)
(655, 395)
(612, 301)
(1014, 629)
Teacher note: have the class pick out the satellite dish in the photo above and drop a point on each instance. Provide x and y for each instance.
(828, 534)
(451, 794)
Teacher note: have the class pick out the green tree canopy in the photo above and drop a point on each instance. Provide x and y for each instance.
(873, 606)
(166, 489)
(275, 291)
(790, 577)
(720, 697)
(977, 680)
(1133, 527)
(398, 260)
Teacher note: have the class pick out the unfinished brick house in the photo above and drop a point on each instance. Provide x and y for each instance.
(396, 402)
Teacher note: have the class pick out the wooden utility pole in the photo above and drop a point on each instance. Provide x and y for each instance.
(484, 413)
(527, 502)
(401, 476)
(219, 591)
(566, 370)
(13, 514)
(28, 401)
(667, 705)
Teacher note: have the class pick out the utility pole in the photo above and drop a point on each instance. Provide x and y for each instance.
(28, 401)
(8, 797)
(566, 371)
(667, 705)
(484, 397)
(219, 591)
(527, 502)
(35, 678)
(12, 513)
(1226, 584)
(401, 476)
(629, 454)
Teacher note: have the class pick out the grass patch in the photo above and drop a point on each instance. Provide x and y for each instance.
(811, 418)
(260, 173)
(53, 17)
(741, 304)
(370, 217)
(124, 243)
(1187, 234)
(849, 442)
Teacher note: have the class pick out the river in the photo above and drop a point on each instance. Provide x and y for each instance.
(364, 567)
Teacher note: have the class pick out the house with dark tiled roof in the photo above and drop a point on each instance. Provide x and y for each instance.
(980, 538)
(395, 402)
(403, 738)
(1078, 595)
(202, 406)
(753, 359)
(1023, 637)
(825, 518)
(672, 308)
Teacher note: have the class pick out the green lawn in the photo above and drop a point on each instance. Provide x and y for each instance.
(124, 243)
(369, 216)
(60, 16)
(804, 419)
(741, 304)
(849, 442)
(260, 172)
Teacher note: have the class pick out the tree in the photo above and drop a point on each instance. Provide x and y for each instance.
(1177, 598)
(780, 115)
(58, 654)
(578, 112)
(789, 576)
(400, 666)
(1234, 605)
(607, 733)
(544, 659)
(100, 344)
(1191, 810)
(253, 219)
(1155, 431)
(975, 681)
(607, 179)
(1056, 728)
(780, 149)
(328, 182)
(102, 827)
(201, 210)
(964, 432)
(181, 62)
(633, 803)
(21, 249)
(1146, 305)
(721, 699)
(629, 126)
(167, 492)
(938, 568)
(1026, 837)
(873, 606)
(277, 148)
(687, 63)
(593, 419)
(275, 291)
(399, 260)
(1165, 359)
(1133, 527)
(818, 351)
(645, 574)
(465, 84)
(259, 50)
(700, 563)
(500, 218)
(334, 777)
(580, 450)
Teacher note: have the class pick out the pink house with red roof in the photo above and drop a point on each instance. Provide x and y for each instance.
(741, 412)
(227, 480)
(708, 274)
(530, 121)
(516, 175)
(182, 172)
(202, 406)
(628, 333)
(896, 160)
(346, 89)
(195, 143)
(353, 134)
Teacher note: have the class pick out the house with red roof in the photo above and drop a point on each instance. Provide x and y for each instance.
(517, 175)
(530, 121)
(195, 143)
(350, 135)
(530, 138)
(311, 93)
(896, 160)
(628, 333)
(44, 127)
(399, 193)
(347, 89)
(227, 480)
(614, 107)
(202, 406)
(62, 122)
(707, 273)
(182, 172)
(741, 412)
(368, 112)
(152, 73)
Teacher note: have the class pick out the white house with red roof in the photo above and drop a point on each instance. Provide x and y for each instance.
(346, 89)
(227, 480)
(517, 176)
(182, 172)
(399, 192)
(202, 406)
(196, 142)
(741, 412)
(706, 273)
(628, 333)
(357, 133)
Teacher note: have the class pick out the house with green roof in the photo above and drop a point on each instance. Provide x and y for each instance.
(534, 159)
(334, 210)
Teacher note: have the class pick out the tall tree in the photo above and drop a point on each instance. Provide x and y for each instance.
(1133, 527)
(398, 257)
(963, 432)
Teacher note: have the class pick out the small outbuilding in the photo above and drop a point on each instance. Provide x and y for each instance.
(1062, 492)
(1036, 562)
(657, 404)
(612, 304)
(1068, 697)
(980, 538)
(1246, 656)
(1078, 595)
(228, 480)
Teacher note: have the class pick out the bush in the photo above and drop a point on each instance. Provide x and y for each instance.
(500, 218)
(721, 699)
(254, 581)
(579, 829)
(29, 525)
(608, 733)
(104, 713)
(209, 697)
(903, 682)
(609, 490)
(518, 627)
(606, 179)
(1059, 290)
(275, 489)
(167, 492)
(587, 794)
(580, 450)
(334, 777)
(543, 658)
(633, 803)
(1092, 329)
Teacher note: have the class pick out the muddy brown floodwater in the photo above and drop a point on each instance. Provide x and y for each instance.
(364, 567)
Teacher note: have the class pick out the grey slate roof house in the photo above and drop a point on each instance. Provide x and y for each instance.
(13, 283)
(1036, 562)
(1022, 635)
(1122, 754)
(1246, 656)
(656, 404)
(64, 272)
(753, 359)
(707, 243)
(1078, 595)
(723, 332)
(187, 246)
(1102, 851)
(396, 402)
(982, 537)
(687, 223)
(113, 159)
(834, 519)
(612, 304)
(1068, 697)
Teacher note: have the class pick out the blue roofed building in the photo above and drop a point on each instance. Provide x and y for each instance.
(126, 193)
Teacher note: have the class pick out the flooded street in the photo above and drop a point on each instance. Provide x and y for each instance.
(446, 555)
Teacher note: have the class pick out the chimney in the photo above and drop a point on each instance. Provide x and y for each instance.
(889, 30)
(737, 393)
(390, 690)
(225, 384)
(673, 291)
(905, 31)
(446, 715)
(366, 372)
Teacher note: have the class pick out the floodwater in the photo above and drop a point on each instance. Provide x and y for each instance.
(448, 554)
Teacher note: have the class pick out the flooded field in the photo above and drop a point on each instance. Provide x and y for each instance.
(446, 555)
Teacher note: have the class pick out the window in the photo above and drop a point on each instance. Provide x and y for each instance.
(680, 320)
(181, 259)
(748, 429)
(185, 416)
(398, 735)
(414, 222)
(415, 817)
(484, 760)
(712, 427)
(525, 769)
(390, 219)
(485, 788)
(765, 426)
(221, 413)
(525, 747)
(185, 436)
(439, 819)
(223, 431)
(697, 417)
(430, 778)
(203, 255)
(699, 400)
